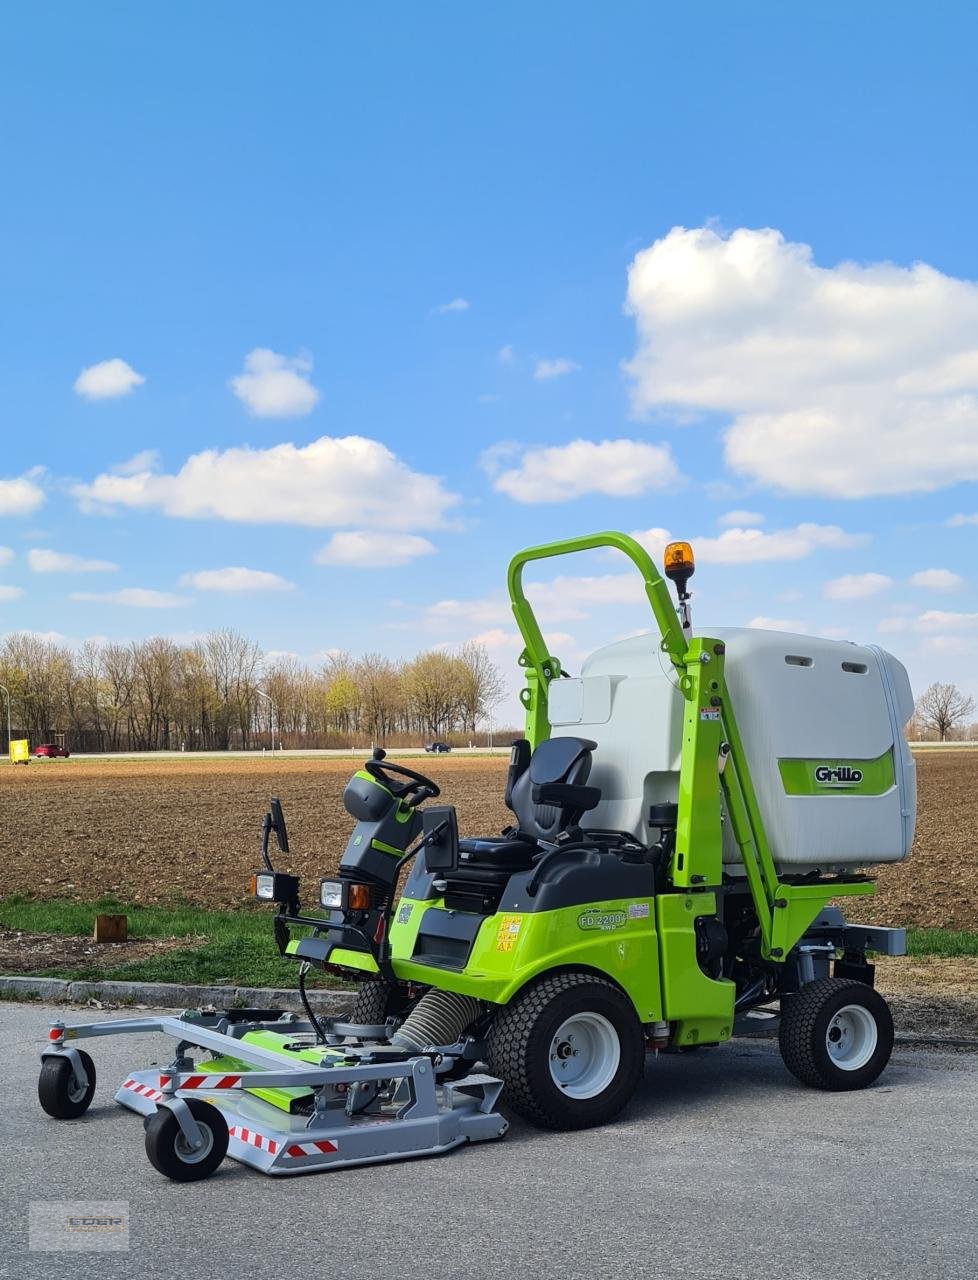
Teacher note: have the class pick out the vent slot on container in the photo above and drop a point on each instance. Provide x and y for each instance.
(798, 660)
(857, 668)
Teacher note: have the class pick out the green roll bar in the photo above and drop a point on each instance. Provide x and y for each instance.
(713, 757)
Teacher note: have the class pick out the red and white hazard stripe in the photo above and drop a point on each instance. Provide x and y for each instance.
(323, 1147)
(253, 1139)
(204, 1082)
(144, 1090)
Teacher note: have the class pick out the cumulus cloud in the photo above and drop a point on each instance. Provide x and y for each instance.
(235, 579)
(856, 586)
(133, 598)
(369, 549)
(332, 481)
(20, 496)
(275, 386)
(505, 354)
(932, 621)
(107, 380)
(144, 460)
(936, 580)
(558, 368)
(6, 555)
(740, 519)
(41, 560)
(763, 623)
(619, 468)
(10, 593)
(959, 521)
(447, 308)
(846, 381)
(754, 546)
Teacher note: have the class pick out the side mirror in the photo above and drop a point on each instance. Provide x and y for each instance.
(440, 837)
(278, 824)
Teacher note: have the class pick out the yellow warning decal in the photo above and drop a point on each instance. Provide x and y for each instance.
(508, 932)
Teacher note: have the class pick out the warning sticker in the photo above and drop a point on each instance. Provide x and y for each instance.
(404, 915)
(508, 932)
(638, 910)
(709, 713)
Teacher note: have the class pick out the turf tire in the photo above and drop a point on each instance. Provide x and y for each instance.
(164, 1142)
(806, 1019)
(375, 1002)
(520, 1041)
(57, 1092)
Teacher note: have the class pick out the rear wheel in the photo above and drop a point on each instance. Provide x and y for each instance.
(836, 1034)
(172, 1155)
(570, 1051)
(59, 1092)
(375, 1002)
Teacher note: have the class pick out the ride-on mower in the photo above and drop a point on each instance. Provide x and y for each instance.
(684, 812)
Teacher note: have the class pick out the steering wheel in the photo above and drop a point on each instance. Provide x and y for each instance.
(417, 784)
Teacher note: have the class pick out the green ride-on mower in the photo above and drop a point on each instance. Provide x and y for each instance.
(684, 812)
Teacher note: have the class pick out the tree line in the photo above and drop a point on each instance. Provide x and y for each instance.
(222, 692)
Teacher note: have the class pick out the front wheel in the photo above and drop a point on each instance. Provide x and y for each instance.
(836, 1034)
(59, 1092)
(172, 1155)
(570, 1051)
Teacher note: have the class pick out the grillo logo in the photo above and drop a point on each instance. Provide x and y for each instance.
(842, 775)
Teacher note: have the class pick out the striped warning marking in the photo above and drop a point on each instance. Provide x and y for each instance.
(253, 1139)
(145, 1090)
(204, 1082)
(323, 1147)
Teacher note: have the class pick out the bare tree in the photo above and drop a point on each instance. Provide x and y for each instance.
(942, 706)
(482, 684)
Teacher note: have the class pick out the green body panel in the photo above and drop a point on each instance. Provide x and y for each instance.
(802, 903)
(703, 1007)
(281, 1098)
(858, 777)
(512, 948)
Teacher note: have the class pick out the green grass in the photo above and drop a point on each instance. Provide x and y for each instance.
(239, 947)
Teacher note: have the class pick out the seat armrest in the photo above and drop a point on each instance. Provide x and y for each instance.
(564, 795)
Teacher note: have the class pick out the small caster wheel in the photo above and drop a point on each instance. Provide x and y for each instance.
(59, 1093)
(169, 1151)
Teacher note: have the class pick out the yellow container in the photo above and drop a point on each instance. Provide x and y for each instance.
(20, 751)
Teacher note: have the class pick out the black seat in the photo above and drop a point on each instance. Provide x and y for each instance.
(564, 762)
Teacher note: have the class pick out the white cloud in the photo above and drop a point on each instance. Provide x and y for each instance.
(367, 549)
(762, 623)
(132, 597)
(145, 460)
(6, 555)
(959, 521)
(557, 368)
(619, 468)
(753, 546)
(107, 380)
(856, 586)
(20, 496)
(275, 386)
(846, 381)
(936, 580)
(505, 354)
(931, 622)
(41, 560)
(332, 481)
(235, 579)
(740, 519)
(10, 593)
(447, 308)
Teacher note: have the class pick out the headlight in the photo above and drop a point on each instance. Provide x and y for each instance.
(331, 894)
(265, 886)
(275, 886)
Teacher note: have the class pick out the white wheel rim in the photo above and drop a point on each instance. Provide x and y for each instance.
(76, 1091)
(851, 1037)
(183, 1150)
(584, 1055)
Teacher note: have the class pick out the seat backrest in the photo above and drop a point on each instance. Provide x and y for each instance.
(566, 760)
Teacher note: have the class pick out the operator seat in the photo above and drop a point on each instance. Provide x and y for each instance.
(558, 760)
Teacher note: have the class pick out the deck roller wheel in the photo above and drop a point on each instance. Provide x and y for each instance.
(172, 1155)
(58, 1090)
(836, 1034)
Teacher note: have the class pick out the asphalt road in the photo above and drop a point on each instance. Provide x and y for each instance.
(723, 1166)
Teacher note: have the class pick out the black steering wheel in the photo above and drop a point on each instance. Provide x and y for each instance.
(417, 785)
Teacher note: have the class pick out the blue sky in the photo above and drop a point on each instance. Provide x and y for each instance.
(429, 215)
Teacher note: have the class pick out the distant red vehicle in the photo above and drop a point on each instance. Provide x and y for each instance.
(51, 751)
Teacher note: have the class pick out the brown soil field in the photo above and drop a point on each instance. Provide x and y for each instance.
(153, 830)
